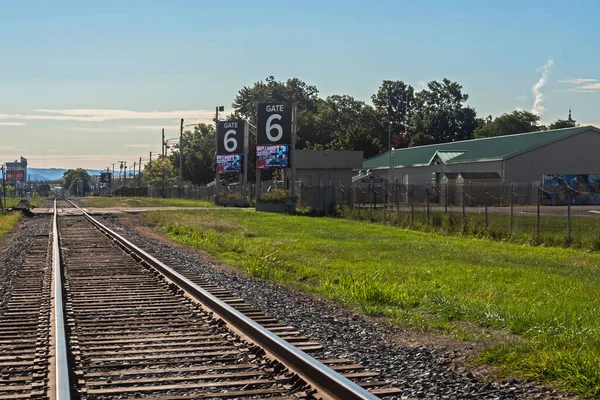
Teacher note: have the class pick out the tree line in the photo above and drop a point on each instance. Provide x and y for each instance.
(398, 117)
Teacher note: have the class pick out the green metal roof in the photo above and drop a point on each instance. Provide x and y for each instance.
(476, 150)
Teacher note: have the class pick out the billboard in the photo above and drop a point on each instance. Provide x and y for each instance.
(105, 180)
(561, 189)
(274, 124)
(229, 164)
(15, 175)
(272, 156)
(230, 137)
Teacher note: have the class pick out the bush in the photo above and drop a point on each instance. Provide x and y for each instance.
(276, 196)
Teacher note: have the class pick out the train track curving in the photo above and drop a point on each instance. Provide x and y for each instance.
(137, 327)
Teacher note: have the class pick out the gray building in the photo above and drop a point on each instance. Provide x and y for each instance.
(327, 167)
(521, 158)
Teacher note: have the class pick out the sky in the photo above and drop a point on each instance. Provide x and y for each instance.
(88, 84)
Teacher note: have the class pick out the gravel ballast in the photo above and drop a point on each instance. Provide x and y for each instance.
(14, 250)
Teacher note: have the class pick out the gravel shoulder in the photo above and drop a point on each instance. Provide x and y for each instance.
(423, 365)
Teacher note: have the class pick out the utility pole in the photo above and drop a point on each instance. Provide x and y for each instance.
(134, 163)
(181, 152)
(163, 145)
(150, 162)
(140, 173)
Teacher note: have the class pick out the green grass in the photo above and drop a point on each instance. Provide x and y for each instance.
(549, 298)
(111, 202)
(8, 222)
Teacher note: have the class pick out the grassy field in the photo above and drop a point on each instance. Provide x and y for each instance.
(34, 201)
(585, 231)
(8, 222)
(109, 202)
(548, 298)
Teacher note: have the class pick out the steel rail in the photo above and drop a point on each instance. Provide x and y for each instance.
(328, 382)
(62, 385)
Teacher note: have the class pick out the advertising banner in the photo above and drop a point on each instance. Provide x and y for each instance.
(571, 188)
(15, 176)
(272, 156)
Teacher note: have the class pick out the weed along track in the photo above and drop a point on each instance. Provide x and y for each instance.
(135, 330)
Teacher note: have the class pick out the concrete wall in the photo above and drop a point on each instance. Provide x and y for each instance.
(574, 155)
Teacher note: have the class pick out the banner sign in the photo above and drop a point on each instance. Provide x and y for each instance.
(274, 124)
(272, 156)
(229, 164)
(15, 175)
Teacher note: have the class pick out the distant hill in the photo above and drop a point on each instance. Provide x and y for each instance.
(52, 174)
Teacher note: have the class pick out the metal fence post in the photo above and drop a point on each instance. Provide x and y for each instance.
(569, 216)
(539, 200)
(512, 206)
(485, 201)
(427, 201)
(411, 195)
(397, 189)
(371, 200)
(446, 198)
(470, 193)
(464, 214)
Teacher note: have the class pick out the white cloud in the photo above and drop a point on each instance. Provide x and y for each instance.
(100, 115)
(8, 148)
(578, 81)
(12, 123)
(582, 85)
(538, 102)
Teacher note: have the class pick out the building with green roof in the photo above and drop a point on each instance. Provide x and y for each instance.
(520, 158)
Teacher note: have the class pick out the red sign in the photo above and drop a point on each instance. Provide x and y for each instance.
(15, 176)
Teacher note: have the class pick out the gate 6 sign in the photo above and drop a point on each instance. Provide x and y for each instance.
(231, 146)
(230, 137)
(274, 124)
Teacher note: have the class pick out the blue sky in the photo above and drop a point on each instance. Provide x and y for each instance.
(83, 84)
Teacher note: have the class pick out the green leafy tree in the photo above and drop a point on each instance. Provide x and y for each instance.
(394, 103)
(198, 154)
(344, 123)
(561, 124)
(440, 114)
(43, 189)
(161, 172)
(72, 176)
(508, 124)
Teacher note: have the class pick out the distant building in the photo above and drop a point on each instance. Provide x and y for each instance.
(520, 158)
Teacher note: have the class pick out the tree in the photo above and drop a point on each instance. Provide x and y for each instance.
(161, 172)
(70, 179)
(343, 123)
(198, 154)
(44, 189)
(561, 124)
(508, 124)
(394, 103)
(440, 114)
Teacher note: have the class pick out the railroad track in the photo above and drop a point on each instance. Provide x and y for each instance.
(134, 327)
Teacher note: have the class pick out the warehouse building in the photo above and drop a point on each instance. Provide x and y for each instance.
(521, 158)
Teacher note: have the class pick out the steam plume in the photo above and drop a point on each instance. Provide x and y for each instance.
(538, 102)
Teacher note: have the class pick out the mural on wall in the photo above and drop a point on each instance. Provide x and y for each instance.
(571, 188)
